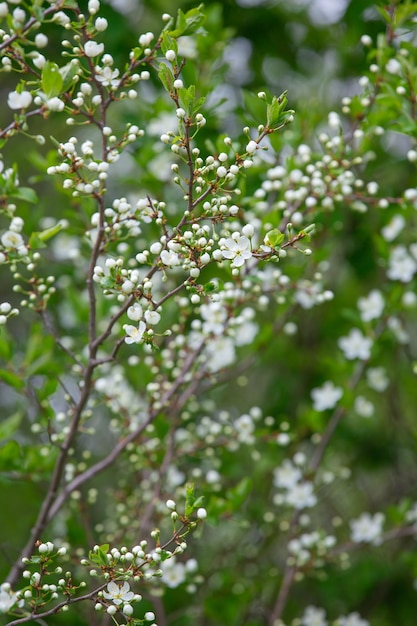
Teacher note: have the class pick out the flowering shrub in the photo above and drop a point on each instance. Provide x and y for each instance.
(181, 340)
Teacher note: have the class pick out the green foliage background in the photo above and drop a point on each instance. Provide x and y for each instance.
(318, 64)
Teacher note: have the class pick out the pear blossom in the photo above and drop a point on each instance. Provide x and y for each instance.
(93, 49)
(355, 345)
(326, 396)
(134, 334)
(17, 100)
(238, 250)
(118, 593)
(367, 528)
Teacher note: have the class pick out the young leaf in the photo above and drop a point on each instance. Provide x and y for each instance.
(37, 239)
(52, 81)
(189, 499)
(11, 379)
(25, 193)
(274, 238)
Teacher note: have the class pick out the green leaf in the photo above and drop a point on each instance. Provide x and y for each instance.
(100, 556)
(11, 379)
(25, 193)
(68, 72)
(273, 111)
(5, 345)
(38, 346)
(189, 499)
(194, 18)
(168, 43)
(9, 425)
(274, 238)
(52, 81)
(37, 239)
(188, 23)
(166, 77)
(10, 456)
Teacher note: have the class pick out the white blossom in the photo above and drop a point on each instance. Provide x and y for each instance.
(371, 307)
(118, 593)
(93, 49)
(61, 18)
(402, 266)
(238, 250)
(251, 147)
(363, 407)
(353, 619)
(219, 353)
(326, 396)
(301, 496)
(55, 104)
(174, 573)
(11, 240)
(377, 378)
(367, 528)
(135, 312)
(134, 334)
(170, 258)
(7, 598)
(355, 345)
(214, 316)
(17, 100)
(287, 475)
(101, 23)
(314, 616)
(41, 40)
(152, 317)
(393, 66)
(393, 228)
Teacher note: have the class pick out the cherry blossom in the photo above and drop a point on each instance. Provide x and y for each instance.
(21, 100)
(367, 528)
(134, 334)
(118, 594)
(371, 307)
(93, 49)
(237, 249)
(326, 396)
(314, 616)
(355, 345)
